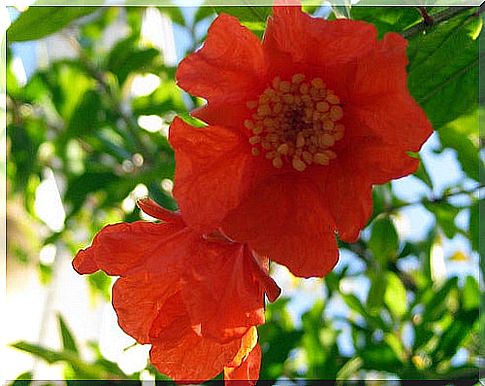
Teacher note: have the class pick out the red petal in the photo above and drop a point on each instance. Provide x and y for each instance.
(117, 249)
(380, 99)
(349, 196)
(223, 114)
(228, 67)
(286, 219)
(181, 354)
(151, 208)
(377, 161)
(138, 298)
(214, 168)
(222, 291)
(84, 263)
(293, 37)
(247, 371)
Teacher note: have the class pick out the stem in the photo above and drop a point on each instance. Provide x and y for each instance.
(433, 200)
(430, 21)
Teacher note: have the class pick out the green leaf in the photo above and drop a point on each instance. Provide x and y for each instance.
(437, 74)
(387, 19)
(174, 13)
(38, 22)
(384, 240)
(453, 336)
(381, 358)
(84, 118)
(203, 12)
(471, 294)
(423, 175)
(473, 224)
(445, 214)
(462, 135)
(163, 99)
(395, 296)
(23, 379)
(86, 371)
(80, 186)
(68, 341)
(251, 17)
(125, 57)
(436, 307)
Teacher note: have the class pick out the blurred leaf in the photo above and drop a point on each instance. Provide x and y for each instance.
(84, 118)
(452, 337)
(462, 136)
(90, 181)
(471, 294)
(395, 296)
(375, 298)
(68, 341)
(437, 74)
(396, 345)
(436, 307)
(277, 338)
(100, 283)
(381, 358)
(126, 57)
(423, 175)
(445, 214)
(164, 99)
(473, 224)
(23, 379)
(203, 12)
(87, 371)
(174, 13)
(384, 240)
(37, 22)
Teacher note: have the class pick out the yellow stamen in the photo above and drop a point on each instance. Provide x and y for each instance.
(295, 122)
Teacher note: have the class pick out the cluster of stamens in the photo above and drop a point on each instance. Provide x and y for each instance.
(295, 121)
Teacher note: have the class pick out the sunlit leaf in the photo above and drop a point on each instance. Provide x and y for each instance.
(38, 22)
(384, 240)
(68, 340)
(395, 296)
(437, 75)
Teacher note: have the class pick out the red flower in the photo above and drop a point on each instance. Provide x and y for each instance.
(197, 301)
(301, 125)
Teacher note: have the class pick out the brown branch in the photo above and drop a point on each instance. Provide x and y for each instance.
(430, 21)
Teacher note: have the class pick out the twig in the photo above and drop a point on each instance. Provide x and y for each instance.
(430, 21)
(433, 200)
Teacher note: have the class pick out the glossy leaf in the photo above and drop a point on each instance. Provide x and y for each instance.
(32, 25)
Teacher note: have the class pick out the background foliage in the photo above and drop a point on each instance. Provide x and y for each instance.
(77, 118)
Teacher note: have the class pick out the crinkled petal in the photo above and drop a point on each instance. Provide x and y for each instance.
(229, 66)
(138, 298)
(294, 38)
(214, 169)
(247, 373)
(286, 219)
(117, 249)
(180, 353)
(222, 290)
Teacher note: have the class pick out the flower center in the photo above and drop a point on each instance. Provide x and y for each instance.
(296, 122)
